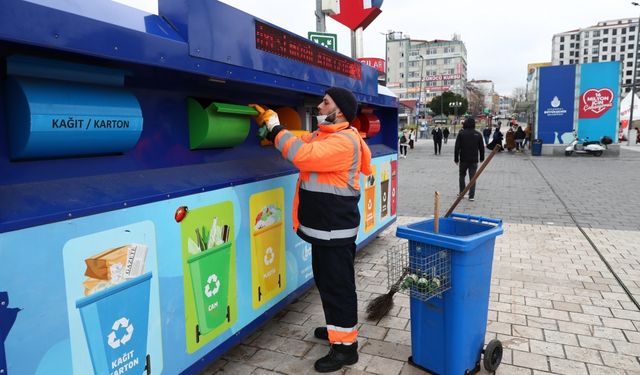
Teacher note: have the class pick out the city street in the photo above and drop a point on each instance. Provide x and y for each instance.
(563, 271)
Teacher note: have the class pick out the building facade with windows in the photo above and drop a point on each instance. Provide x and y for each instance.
(606, 41)
(490, 100)
(427, 67)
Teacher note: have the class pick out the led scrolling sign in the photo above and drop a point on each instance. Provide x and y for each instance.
(277, 42)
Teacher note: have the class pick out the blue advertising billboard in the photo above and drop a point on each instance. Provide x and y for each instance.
(556, 104)
(599, 97)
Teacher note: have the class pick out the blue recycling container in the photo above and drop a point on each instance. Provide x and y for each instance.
(536, 147)
(447, 333)
(116, 324)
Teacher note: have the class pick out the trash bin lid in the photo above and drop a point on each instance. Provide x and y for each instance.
(457, 232)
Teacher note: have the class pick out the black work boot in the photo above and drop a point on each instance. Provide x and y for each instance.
(321, 333)
(339, 355)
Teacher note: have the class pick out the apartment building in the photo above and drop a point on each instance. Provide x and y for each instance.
(614, 40)
(430, 67)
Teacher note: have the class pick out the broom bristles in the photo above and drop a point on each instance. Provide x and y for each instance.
(380, 306)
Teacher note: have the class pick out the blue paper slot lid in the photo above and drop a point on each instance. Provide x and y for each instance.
(49, 118)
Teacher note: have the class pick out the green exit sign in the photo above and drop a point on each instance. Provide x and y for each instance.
(325, 39)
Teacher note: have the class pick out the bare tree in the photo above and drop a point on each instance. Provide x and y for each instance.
(519, 94)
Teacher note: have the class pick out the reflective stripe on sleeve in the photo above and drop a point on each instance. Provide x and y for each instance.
(353, 171)
(329, 235)
(293, 149)
(283, 140)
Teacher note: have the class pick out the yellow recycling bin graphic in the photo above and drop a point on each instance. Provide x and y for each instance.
(268, 263)
(370, 200)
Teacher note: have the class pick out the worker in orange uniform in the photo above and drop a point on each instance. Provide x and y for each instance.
(325, 212)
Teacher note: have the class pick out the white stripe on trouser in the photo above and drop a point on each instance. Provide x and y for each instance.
(329, 235)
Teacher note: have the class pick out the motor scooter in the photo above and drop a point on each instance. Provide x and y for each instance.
(595, 148)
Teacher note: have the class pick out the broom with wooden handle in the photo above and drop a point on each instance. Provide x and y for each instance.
(380, 306)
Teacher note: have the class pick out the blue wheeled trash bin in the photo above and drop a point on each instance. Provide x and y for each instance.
(454, 265)
(536, 147)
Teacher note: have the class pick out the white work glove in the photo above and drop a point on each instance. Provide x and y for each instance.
(266, 117)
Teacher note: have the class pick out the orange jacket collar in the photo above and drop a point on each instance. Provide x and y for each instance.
(332, 128)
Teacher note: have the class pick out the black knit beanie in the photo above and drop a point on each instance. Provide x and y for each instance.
(345, 100)
(469, 123)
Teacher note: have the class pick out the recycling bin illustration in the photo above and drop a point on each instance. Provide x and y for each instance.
(267, 257)
(369, 203)
(210, 281)
(394, 186)
(115, 322)
(384, 197)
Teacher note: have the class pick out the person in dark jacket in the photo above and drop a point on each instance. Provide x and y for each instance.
(469, 145)
(436, 134)
(445, 134)
(497, 139)
(520, 135)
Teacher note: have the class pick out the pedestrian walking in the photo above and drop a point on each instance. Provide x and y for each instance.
(445, 134)
(527, 136)
(411, 138)
(519, 135)
(404, 143)
(436, 134)
(423, 130)
(468, 149)
(326, 214)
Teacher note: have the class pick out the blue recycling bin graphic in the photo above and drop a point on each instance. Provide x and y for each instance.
(115, 322)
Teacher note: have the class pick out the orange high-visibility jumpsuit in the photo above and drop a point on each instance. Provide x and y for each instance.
(326, 214)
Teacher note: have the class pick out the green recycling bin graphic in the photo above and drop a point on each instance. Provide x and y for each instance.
(210, 281)
(209, 269)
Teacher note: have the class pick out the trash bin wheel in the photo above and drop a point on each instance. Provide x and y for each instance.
(492, 355)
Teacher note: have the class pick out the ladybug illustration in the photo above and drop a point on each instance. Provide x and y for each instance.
(181, 212)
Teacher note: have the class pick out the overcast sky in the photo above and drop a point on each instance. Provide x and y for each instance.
(501, 37)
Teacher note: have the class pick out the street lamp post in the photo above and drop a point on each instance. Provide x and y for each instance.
(633, 84)
(455, 106)
(419, 105)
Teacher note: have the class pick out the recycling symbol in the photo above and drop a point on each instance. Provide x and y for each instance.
(115, 342)
(307, 252)
(212, 281)
(269, 256)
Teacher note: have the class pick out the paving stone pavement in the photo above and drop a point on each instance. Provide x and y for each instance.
(554, 303)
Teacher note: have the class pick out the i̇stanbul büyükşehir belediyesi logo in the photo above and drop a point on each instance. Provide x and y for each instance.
(555, 109)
